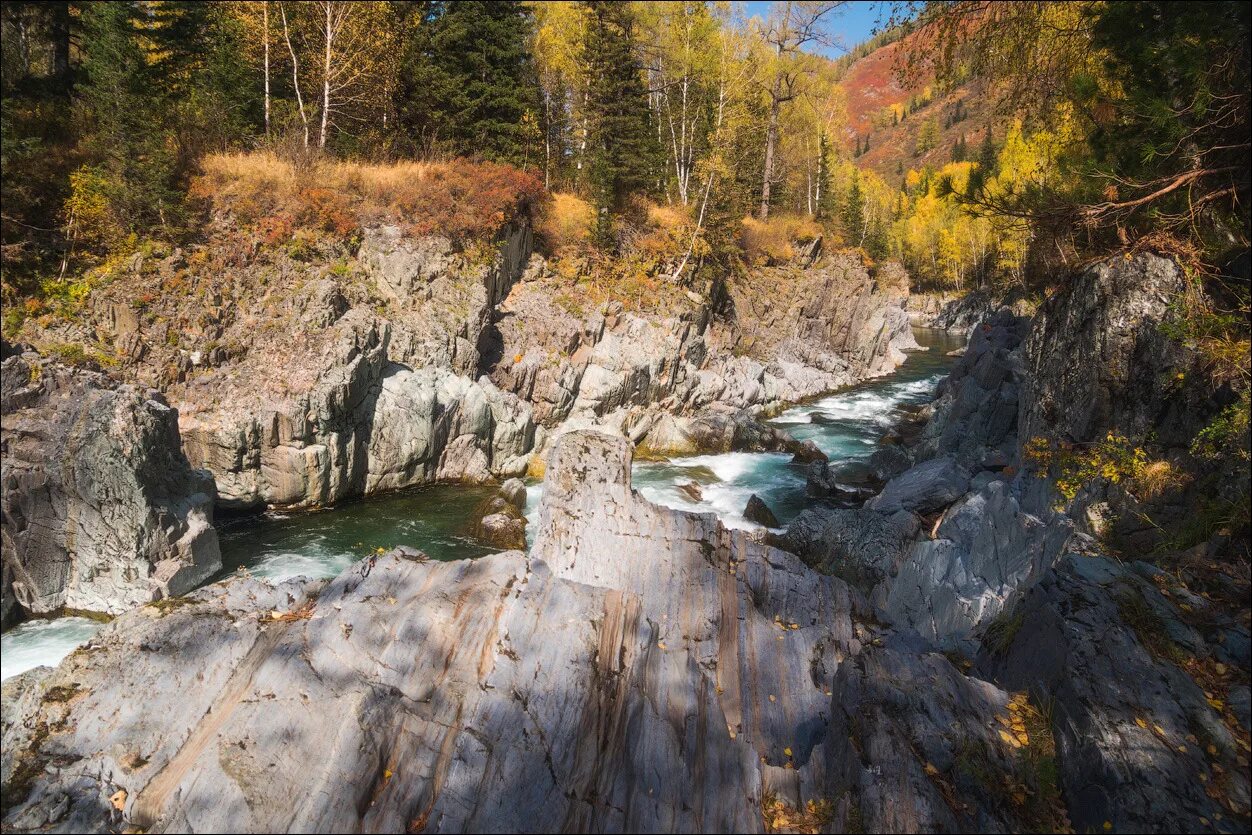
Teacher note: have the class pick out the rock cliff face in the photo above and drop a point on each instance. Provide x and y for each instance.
(101, 510)
(305, 376)
(364, 399)
(786, 333)
(364, 424)
(1098, 357)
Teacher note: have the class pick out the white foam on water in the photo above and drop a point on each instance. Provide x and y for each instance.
(278, 568)
(534, 493)
(875, 406)
(43, 643)
(739, 474)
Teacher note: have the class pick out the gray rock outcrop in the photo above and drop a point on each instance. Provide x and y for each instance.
(364, 424)
(642, 670)
(1142, 746)
(101, 511)
(1097, 356)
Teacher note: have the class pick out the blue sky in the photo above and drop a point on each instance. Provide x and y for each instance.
(855, 23)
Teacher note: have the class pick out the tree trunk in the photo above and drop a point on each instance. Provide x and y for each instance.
(61, 44)
(295, 74)
(321, 139)
(771, 139)
(265, 17)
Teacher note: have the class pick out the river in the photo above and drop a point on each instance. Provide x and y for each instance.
(439, 519)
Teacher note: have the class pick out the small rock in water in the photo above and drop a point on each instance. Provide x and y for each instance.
(503, 531)
(808, 452)
(759, 512)
(514, 492)
(692, 491)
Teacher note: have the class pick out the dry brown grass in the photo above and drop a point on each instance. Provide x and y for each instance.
(565, 222)
(774, 241)
(1155, 479)
(459, 198)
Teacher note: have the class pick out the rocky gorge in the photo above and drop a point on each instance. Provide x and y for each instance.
(415, 361)
(951, 655)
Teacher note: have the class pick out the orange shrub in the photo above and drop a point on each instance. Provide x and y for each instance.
(275, 229)
(328, 210)
(469, 200)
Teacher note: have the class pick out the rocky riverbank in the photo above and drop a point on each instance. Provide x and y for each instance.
(970, 650)
(304, 378)
(977, 551)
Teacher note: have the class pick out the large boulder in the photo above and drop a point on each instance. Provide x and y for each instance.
(924, 488)
(101, 510)
(984, 551)
(857, 545)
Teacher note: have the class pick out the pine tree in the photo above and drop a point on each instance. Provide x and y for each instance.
(621, 145)
(825, 194)
(959, 150)
(467, 80)
(985, 168)
(122, 98)
(987, 154)
(854, 212)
